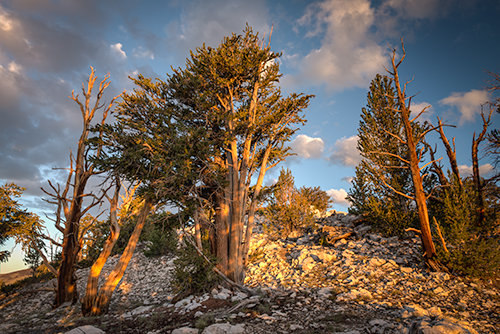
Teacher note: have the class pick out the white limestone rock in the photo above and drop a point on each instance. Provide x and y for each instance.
(87, 329)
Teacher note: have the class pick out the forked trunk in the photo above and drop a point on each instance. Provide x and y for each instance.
(100, 304)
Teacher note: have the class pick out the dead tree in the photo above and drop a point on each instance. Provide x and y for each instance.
(411, 140)
(73, 202)
(478, 183)
(450, 151)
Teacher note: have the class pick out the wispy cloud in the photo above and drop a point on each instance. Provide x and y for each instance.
(117, 48)
(468, 103)
(141, 52)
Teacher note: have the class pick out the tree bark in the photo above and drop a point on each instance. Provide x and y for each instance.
(89, 300)
(253, 205)
(451, 152)
(478, 184)
(420, 197)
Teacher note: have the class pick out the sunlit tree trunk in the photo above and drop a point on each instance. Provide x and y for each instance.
(101, 303)
(89, 300)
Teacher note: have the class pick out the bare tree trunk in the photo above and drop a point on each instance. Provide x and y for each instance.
(253, 205)
(101, 303)
(420, 197)
(77, 179)
(66, 279)
(436, 167)
(475, 167)
(235, 226)
(197, 228)
(451, 152)
(89, 300)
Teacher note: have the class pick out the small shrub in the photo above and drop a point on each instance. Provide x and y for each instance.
(204, 321)
(388, 219)
(193, 274)
(291, 209)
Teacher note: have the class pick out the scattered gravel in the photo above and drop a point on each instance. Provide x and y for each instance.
(363, 283)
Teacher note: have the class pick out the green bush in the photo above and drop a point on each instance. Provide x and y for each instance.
(472, 250)
(193, 274)
(290, 209)
(389, 219)
(476, 258)
(160, 243)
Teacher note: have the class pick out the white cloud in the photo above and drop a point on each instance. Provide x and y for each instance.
(338, 196)
(346, 152)
(118, 49)
(468, 103)
(141, 52)
(14, 67)
(467, 170)
(308, 147)
(6, 24)
(354, 37)
(348, 56)
(416, 108)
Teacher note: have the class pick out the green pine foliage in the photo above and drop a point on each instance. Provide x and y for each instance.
(371, 194)
(192, 273)
(161, 235)
(472, 250)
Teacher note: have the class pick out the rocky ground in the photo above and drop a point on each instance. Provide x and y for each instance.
(360, 283)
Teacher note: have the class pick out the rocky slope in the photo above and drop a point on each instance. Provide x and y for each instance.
(360, 283)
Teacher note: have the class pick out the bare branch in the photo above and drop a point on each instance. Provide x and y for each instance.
(390, 154)
(395, 136)
(396, 191)
(430, 162)
(420, 113)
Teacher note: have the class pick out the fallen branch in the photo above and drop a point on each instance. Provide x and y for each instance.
(411, 229)
(241, 304)
(343, 236)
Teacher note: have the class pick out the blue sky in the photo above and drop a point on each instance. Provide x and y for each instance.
(331, 48)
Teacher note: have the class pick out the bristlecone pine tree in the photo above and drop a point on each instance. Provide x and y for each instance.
(205, 133)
